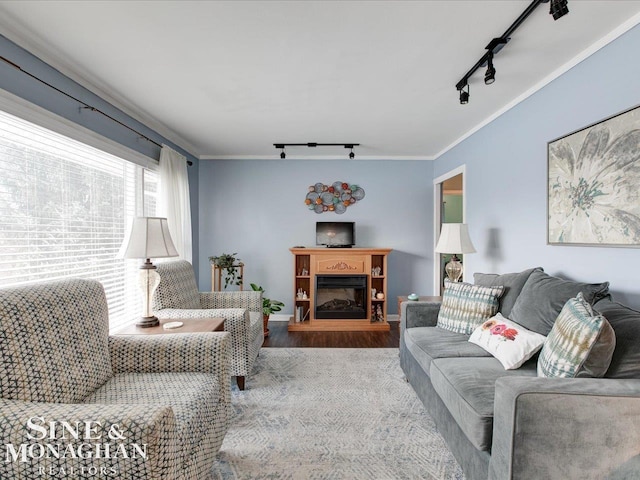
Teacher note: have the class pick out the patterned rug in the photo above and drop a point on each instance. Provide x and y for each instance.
(320, 413)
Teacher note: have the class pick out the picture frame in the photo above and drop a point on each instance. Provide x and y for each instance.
(593, 184)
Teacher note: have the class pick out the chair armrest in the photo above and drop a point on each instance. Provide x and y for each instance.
(250, 300)
(147, 433)
(419, 314)
(206, 352)
(564, 428)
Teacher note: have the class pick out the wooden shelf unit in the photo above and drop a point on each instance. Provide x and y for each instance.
(309, 262)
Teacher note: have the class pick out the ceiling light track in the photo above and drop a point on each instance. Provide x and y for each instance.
(557, 9)
(85, 106)
(283, 155)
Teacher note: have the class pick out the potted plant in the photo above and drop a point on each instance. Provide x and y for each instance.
(268, 307)
(230, 264)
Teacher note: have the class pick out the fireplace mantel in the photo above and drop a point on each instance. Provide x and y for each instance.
(312, 261)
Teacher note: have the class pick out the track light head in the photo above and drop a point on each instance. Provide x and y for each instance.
(490, 74)
(464, 95)
(282, 154)
(351, 154)
(558, 8)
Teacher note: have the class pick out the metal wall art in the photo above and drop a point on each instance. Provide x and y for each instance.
(333, 198)
(594, 184)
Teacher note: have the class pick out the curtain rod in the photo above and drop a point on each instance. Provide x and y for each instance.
(84, 104)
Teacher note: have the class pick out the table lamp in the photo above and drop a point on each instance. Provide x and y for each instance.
(454, 238)
(148, 238)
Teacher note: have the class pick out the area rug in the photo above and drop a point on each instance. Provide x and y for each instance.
(324, 413)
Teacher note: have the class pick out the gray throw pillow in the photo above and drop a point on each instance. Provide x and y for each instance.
(543, 297)
(626, 325)
(512, 283)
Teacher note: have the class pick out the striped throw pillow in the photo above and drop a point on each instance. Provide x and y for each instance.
(465, 307)
(580, 344)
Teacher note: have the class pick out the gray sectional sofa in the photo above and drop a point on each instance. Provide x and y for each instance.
(512, 424)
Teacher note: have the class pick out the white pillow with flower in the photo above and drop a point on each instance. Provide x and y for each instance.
(509, 342)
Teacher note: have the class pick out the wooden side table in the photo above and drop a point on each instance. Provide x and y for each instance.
(191, 325)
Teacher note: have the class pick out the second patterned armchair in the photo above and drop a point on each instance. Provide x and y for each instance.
(177, 296)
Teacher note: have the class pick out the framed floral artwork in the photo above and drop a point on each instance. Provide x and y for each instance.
(594, 184)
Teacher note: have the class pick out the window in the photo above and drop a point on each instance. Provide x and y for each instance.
(64, 211)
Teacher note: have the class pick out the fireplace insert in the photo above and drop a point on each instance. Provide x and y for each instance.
(341, 297)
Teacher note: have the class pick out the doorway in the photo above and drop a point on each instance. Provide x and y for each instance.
(449, 204)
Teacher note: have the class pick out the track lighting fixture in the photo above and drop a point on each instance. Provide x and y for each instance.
(464, 95)
(490, 74)
(315, 144)
(557, 9)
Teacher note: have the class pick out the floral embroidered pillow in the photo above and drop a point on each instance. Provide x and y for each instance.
(510, 343)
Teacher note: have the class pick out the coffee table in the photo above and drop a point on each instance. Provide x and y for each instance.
(191, 325)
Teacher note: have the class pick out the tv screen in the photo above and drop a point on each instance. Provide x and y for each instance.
(336, 234)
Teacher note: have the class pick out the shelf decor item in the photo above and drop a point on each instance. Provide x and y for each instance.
(148, 238)
(232, 267)
(593, 178)
(333, 198)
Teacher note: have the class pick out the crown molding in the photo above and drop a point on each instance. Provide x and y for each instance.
(33, 43)
(292, 157)
(586, 53)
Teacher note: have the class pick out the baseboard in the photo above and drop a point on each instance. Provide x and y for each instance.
(280, 317)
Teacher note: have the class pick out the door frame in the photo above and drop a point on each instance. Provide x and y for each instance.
(437, 219)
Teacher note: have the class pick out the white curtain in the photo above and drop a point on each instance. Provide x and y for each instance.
(173, 199)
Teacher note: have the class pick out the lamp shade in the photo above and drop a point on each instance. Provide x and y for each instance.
(148, 238)
(454, 238)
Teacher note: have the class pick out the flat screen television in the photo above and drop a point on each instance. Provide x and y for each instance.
(336, 234)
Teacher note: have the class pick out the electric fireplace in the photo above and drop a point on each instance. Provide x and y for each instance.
(341, 297)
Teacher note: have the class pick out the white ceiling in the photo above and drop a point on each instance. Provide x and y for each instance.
(227, 79)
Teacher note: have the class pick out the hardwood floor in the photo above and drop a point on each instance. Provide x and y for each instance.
(280, 337)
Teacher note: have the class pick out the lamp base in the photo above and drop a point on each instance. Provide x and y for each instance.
(454, 269)
(147, 322)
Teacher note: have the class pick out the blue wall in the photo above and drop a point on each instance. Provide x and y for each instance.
(256, 208)
(16, 82)
(507, 170)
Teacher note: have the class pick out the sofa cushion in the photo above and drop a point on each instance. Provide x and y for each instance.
(580, 343)
(53, 341)
(428, 343)
(192, 396)
(625, 322)
(512, 283)
(467, 388)
(543, 297)
(465, 306)
(510, 343)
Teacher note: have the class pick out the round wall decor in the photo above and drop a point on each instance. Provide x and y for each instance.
(333, 198)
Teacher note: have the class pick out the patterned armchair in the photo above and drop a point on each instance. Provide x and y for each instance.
(177, 296)
(77, 403)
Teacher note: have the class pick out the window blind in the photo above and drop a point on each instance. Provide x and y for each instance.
(64, 210)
